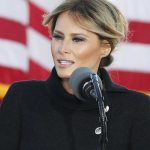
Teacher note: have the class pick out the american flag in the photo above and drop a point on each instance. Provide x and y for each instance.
(25, 44)
(131, 67)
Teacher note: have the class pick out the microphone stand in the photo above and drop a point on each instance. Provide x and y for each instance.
(102, 118)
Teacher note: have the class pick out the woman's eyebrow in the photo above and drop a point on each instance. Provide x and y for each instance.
(57, 31)
(72, 34)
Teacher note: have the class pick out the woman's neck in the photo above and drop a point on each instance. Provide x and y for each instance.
(66, 85)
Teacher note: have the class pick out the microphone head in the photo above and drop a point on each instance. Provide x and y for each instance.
(77, 79)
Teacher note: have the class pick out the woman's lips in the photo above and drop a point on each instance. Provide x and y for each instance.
(64, 62)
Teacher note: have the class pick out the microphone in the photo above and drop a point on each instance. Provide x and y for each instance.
(87, 85)
(82, 84)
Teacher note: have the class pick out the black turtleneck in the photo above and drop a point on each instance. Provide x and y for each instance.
(41, 115)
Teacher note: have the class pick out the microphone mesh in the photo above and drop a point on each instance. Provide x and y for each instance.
(77, 79)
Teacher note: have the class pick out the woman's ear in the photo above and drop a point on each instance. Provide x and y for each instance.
(105, 48)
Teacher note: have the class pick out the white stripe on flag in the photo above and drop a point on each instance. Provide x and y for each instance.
(47, 5)
(13, 55)
(39, 49)
(132, 56)
(16, 10)
(138, 10)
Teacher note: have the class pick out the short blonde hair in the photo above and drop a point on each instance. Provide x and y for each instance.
(98, 16)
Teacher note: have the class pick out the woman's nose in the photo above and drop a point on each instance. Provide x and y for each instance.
(64, 47)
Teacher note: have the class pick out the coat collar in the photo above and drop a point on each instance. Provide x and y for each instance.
(58, 94)
(109, 85)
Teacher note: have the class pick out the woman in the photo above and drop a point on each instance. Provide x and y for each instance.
(46, 115)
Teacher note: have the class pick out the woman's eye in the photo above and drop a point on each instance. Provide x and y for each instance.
(57, 37)
(78, 39)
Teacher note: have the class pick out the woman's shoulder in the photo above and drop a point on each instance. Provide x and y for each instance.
(28, 84)
(138, 101)
(128, 97)
(25, 89)
(137, 95)
(130, 93)
(139, 98)
(130, 103)
(25, 92)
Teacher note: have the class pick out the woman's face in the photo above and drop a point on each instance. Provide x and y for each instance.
(73, 47)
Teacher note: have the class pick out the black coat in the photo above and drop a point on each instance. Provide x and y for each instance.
(41, 115)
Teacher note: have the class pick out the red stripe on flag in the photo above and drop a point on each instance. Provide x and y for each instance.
(132, 80)
(9, 75)
(139, 32)
(36, 19)
(37, 72)
(12, 30)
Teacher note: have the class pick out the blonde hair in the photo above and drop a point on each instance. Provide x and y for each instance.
(98, 16)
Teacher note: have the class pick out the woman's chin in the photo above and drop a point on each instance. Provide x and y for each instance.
(63, 75)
